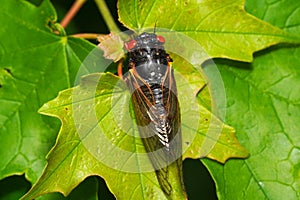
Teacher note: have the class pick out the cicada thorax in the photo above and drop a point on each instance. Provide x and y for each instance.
(154, 95)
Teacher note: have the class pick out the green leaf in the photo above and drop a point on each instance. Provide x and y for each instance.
(263, 104)
(276, 14)
(99, 137)
(35, 64)
(223, 29)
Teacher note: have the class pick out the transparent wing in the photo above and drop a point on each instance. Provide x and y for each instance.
(159, 130)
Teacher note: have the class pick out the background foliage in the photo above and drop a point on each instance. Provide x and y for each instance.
(262, 104)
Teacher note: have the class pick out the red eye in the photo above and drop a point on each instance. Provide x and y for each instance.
(130, 45)
(160, 39)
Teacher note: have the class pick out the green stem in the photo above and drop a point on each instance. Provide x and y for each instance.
(109, 20)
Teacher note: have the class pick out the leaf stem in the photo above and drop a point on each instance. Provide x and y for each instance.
(109, 20)
(72, 12)
(120, 66)
(88, 35)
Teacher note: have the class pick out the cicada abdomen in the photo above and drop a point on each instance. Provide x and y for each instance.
(154, 96)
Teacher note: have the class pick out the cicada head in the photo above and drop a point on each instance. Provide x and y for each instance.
(148, 57)
(145, 41)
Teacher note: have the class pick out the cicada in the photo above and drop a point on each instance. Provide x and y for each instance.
(151, 81)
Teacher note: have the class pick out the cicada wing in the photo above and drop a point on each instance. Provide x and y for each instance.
(172, 105)
(160, 156)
